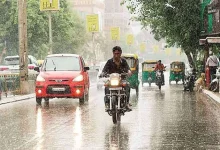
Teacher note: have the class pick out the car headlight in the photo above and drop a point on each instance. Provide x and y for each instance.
(40, 79)
(114, 82)
(78, 78)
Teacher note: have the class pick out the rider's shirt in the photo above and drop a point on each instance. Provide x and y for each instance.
(159, 67)
(112, 67)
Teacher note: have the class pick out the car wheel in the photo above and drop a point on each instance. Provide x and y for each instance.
(39, 100)
(46, 99)
(82, 100)
(87, 96)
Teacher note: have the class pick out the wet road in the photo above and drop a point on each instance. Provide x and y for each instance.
(166, 119)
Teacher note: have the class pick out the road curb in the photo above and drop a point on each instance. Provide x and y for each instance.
(16, 99)
(211, 95)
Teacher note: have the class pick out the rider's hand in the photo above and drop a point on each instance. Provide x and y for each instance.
(101, 75)
(129, 73)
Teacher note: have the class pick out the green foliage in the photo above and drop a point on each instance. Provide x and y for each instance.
(178, 22)
(67, 29)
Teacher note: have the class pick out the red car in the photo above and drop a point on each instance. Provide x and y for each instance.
(62, 76)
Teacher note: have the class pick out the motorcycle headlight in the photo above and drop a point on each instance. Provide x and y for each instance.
(78, 78)
(114, 82)
(40, 79)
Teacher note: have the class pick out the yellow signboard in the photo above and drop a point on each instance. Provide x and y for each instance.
(115, 33)
(130, 39)
(92, 23)
(49, 5)
(156, 48)
(142, 47)
(178, 51)
(167, 51)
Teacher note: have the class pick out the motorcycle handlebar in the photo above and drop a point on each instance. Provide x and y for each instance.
(105, 75)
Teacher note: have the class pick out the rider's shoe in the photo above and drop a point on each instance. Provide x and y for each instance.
(128, 108)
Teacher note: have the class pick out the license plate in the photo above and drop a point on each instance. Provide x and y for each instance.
(58, 89)
(118, 88)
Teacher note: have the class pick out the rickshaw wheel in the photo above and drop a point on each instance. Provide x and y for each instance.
(159, 87)
(137, 90)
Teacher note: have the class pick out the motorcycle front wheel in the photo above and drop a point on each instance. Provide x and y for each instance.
(214, 87)
(114, 113)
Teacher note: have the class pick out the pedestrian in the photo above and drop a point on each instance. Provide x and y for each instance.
(212, 63)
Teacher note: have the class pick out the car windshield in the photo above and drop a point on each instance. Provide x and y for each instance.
(11, 61)
(62, 63)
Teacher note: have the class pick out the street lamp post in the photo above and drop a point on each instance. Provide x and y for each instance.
(50, 33)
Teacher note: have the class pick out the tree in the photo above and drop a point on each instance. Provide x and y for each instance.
(177, 21)
(68, 29)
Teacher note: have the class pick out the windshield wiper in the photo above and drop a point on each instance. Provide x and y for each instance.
(54, 65)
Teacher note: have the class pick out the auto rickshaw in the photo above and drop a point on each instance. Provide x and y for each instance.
(148, 73)
(177, 71)
(133, 62)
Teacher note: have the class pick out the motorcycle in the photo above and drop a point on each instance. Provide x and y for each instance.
(159, 79)
(214, 85)
(116, 84)
(189, 81)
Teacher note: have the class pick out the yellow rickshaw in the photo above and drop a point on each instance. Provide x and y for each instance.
(177, 71)
(133, 62)
(148, 73)
(40, 62)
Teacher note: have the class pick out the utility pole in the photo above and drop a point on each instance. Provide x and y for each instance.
(23, 51)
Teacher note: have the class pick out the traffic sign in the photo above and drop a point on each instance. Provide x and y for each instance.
(49, 5)
(130, 39)
(92, 23)
(115, 33)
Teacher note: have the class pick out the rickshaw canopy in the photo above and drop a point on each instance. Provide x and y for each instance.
(148, 65)
(132, 60)
(177, 66)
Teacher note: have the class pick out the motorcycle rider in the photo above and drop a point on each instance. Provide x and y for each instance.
(116, 65)
(159, 66)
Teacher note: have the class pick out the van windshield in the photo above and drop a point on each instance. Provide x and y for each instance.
(62, 63)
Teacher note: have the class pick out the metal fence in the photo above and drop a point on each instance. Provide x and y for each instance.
(10, 83)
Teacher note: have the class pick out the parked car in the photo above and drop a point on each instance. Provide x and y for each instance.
(62, 76)
(100, 81)
(93, 71)
(11, 63)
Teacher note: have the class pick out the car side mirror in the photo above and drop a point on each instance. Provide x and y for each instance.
(86, 68)
(37, 69)
(97, 69)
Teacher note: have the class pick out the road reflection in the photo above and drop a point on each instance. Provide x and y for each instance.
(77, 128)
(117, 138)
(39, 126)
